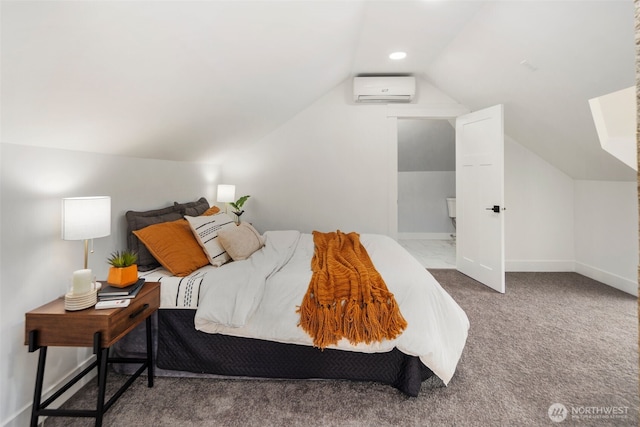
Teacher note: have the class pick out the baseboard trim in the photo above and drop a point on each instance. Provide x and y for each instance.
(23, 416)
(426, 236)
(621, 283)
(539, 265)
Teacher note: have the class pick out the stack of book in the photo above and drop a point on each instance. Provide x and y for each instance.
(113, 293)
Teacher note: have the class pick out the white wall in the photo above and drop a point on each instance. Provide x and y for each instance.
(36, 263)
(539, 233)
(325, 169)
(555, 223)
(606, 232)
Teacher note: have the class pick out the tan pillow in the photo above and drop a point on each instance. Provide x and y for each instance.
(240, 242)
(174, 246)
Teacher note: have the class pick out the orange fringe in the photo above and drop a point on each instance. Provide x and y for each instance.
(347, 297)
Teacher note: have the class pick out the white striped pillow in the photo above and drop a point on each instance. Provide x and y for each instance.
(205, 229)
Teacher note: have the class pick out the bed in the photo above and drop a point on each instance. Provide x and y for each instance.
(240, 319)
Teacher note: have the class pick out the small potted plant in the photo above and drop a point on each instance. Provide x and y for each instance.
(237, 206)
(124, 270)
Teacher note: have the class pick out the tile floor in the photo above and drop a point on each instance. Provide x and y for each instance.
(432, 253)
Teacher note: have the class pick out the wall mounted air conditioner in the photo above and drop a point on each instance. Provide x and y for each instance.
(384, 89)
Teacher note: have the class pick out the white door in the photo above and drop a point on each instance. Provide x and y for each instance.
(480, 196)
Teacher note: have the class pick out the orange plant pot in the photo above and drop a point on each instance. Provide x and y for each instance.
(121, 277)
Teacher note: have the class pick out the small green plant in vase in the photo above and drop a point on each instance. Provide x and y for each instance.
(124, 270)
(237, 206)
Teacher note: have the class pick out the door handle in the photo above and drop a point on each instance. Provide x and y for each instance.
(495, 208)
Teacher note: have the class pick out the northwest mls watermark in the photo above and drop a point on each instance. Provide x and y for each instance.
(558, 412)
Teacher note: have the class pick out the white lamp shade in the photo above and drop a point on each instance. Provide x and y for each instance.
(226, 193)
(86, 217)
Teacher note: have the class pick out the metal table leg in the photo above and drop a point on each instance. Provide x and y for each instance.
(103, 358)
(149, 353)
(37, 396)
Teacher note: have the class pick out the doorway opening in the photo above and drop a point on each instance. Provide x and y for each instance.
(426, 190)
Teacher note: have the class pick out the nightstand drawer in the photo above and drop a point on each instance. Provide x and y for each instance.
(125, 319)
(56, 327)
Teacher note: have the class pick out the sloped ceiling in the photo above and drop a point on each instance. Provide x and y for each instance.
(191, 80)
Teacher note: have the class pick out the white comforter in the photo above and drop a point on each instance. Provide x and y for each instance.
(258, 298)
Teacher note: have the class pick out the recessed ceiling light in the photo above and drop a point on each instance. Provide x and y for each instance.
(398, 55)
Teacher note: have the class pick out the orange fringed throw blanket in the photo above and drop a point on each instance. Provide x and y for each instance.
(347, 297)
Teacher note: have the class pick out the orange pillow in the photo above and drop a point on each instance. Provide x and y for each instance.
(174, 246)
(211, 211)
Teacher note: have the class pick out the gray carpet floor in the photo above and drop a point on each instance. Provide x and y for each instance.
(552, 338)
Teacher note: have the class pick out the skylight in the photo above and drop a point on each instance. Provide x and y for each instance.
(615, 115)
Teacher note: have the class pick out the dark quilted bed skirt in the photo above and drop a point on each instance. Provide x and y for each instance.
(180, 347)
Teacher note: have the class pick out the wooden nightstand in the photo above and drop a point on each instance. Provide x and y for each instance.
(51, 325)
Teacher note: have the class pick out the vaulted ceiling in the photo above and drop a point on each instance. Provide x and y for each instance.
(186, 80)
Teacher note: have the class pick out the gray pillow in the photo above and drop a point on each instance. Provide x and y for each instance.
(196, 208)
(139, 220)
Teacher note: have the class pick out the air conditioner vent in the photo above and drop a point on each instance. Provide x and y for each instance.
(384, 89)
